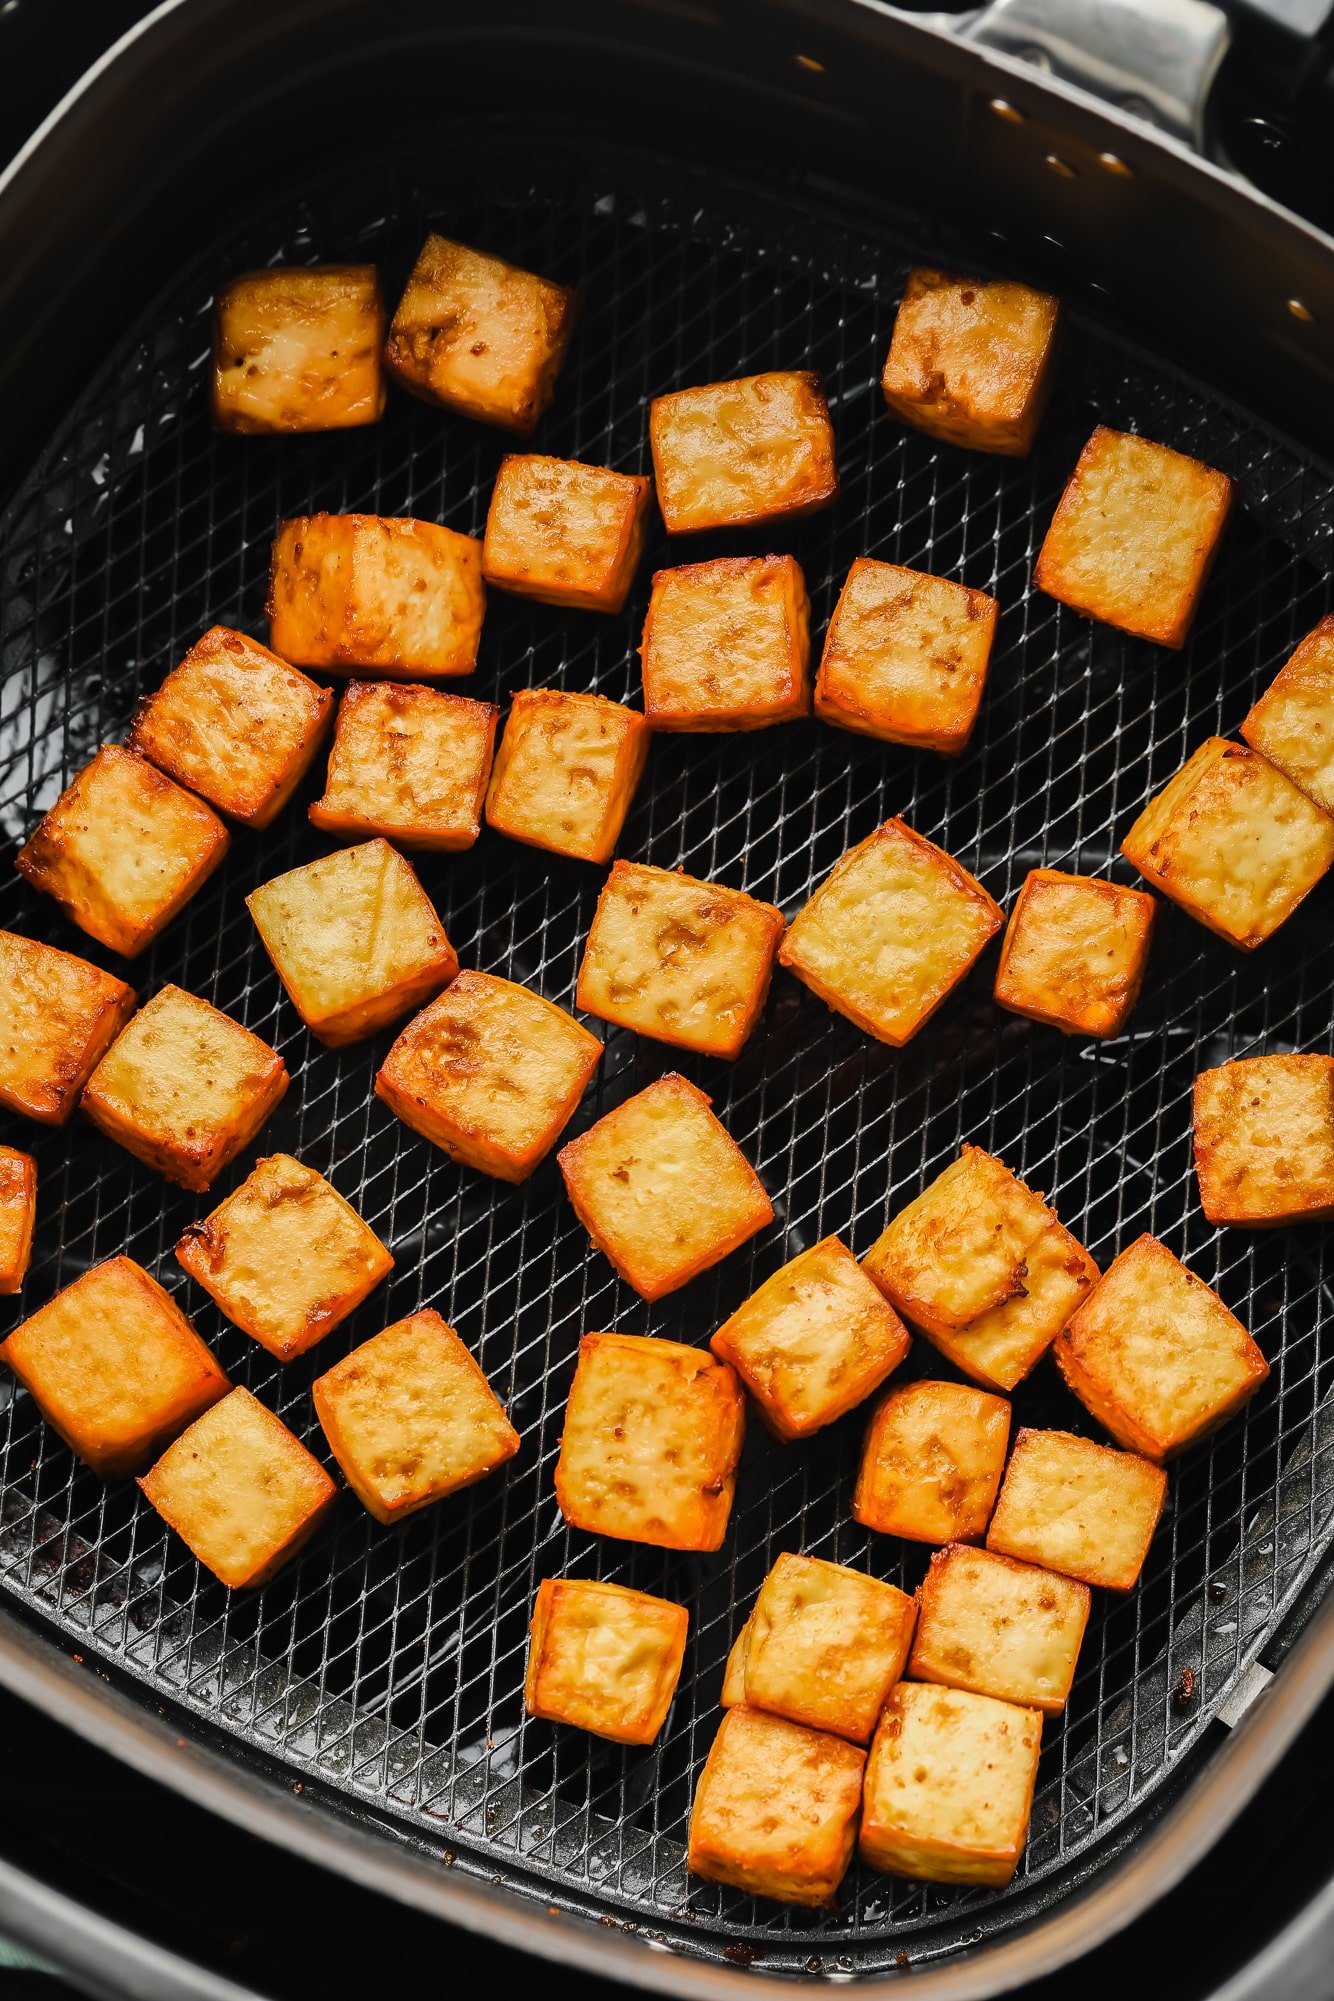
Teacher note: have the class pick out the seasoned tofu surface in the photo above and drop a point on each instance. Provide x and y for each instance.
(565, 533)
(298, 349)
(728, 454)
(1264, 1140)
(61, 1015)
(959, 1248)
(998, 1627)
(824, 1645)
(1079, 1508)
(604, 1658)
(408, 763)
(1074, 952)
(566, 772)
(1004, 1345)
(350, 592)
(775, 1809)
(1292, 724)
(971, 360)
(905, 657)
(726, 645)
(18, 1215)
(932, 1463)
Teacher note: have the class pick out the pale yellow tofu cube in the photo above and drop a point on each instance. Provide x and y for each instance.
(408, 763)
(1078, 1508)
(972, 360)
(565, 533)
(18, 1215)
(299, 349)
(61, 1017)
(566, 772)
(1074, 952)
(358, 592)
(727, 644)
(604, 1658)
(905, 657)
(997, 1627)
(775, 1810)
(932, 1463)
(824, 1646)
(730, 454)
(1292, 724)
(1264, 1140)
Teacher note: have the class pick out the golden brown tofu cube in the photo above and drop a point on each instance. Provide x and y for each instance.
(1078, 1508)
(61, 1016)
(299, 349)
(727, 645)
(932, 1463)
(355, 592)
(285, 1257)
(1074, 952)
(565, 533)
(775, 1810)
(185, 1088)
(123, 849)
(491, 1073)
(997, 1627)
(890, 932)
(410, 1417)
(479, 335)
(1264, 1140)
(1292, 724)
(729, 454)
(653, 1433)
(662, 1188)
(1233, 842)
(1135, 535)
(566, 772)
(240, 1490)
(824, 1646)
(18, 1214)
(1156, 1356)
(604, 1658)
(814, 1341)
(408, 763)
(905, 657)
(972, 359)
(114, 1366)
(355, 940)
(949, 1786)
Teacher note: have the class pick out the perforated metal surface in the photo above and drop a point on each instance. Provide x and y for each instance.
(388, 1665)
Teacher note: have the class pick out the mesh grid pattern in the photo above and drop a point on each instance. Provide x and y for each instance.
(387, 1666)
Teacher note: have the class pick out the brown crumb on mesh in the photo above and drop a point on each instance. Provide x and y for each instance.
(1184, 1693)
(740, 1955)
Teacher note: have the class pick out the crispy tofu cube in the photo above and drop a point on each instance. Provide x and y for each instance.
(905, 657)
(1292, 724)
(410, 1417)
(565, 533)
(1135, 535)
(890, 932)
(814, 1341)
(285, 1257)
(653, 1433)
(122, 850)
(240, 1490)
(184, 1088)
(1078, 1508)
(1233, 842)
(824, 1646)
(604, 1658)
(354, 592)
(566, 772)
(932, 1463)
(727, 645)
(235, 724)
(410, 764)
(730, 454)
(998, 1627)
(479, 335)
(1264, 1140)
(775, 1810)
(662, 1188)
(1074, 952)
(949, 1786)
(18, 1214)
(61, 1016)
(491, 1073)
(299, 349)
(971, 360)
(114, 1366)
(355, 940)
(1155, 1355)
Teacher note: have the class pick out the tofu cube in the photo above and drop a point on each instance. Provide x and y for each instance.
(1264, 1140)
(1078, 1508)
(185, 1088)
(662, 1188)
(61, 1016)
(727, 645)
(905, 657)
(360, 592)
(1233, 842)
(891, 932)
(731, 454)
(18, 1214)
(653, 1433)
(408, 763)
(235, 724)
(566, 772)
(479, 335)
(775, 1810)
(565, 533)
(971, 360)
(949, 1786)
(123, 850)
(299, 349)
(355, 940)
(285, 1257)
(114, 1366)
(1074, 952)
(604, 1658)
(682, 961)
(1292, 724)
(240, 1490)
(1156, 1356)
(997, 1627)
(410, 1417)
(491, 1073)
(824, 1646)
(815, 1340)
(1134, 537)
(932, 1463)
